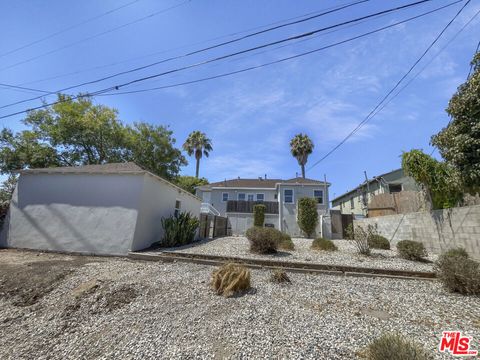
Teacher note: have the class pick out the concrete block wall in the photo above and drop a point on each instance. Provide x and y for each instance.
(438, 230)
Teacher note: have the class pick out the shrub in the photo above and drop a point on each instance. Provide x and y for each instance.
(231, 279)
(378, 242)
(458, 273)
(264, 240)
(286, 242)
(411, 250)
(395, 347)
(361, 240)
(323, 244)
(349, 234)
(279, 276)
(179, 230)
(307, 215)
(259, 214)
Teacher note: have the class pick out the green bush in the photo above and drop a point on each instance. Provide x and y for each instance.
(259, 214)
(411, 250)
(323, 244)
(349, 233)
(458, 273)
(376, 241)
(264, 240)
(286, 243)
(307, 215)
(395, 347)
(179, 230)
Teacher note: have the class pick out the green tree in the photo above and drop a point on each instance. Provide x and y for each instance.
(439, 180)
(301, 146)
(307, 215)
(197, 143)
(459, 142)
(77, 132)
(6, 191)
(190, 182)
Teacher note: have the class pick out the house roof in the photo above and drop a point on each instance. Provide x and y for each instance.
(112, 168)
(259, 183)
(375, 178)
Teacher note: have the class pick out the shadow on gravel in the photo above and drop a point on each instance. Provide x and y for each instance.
(26, 283)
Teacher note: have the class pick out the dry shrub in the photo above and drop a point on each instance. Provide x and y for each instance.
(458, 273)
(286, 243)
(376, 241)
(323, 244)
(231, 279)
(264, 240)
(395, 347)
(279, 276)
(361, 240)
(411, 250)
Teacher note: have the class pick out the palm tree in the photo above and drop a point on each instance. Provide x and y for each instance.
(197, 143)
(301, 146)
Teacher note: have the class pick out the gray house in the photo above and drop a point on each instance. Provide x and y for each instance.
(356, 200)
(235, 199)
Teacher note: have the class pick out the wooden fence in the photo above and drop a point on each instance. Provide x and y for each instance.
(241, 206)
(212, 226)
(397, 203)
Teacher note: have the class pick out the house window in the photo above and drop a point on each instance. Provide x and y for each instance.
(178, 205)
(250, 197)
(352, 203)
(260, 197)
(275, 196)
(225, 197)
(241, 196)
(394, 188)
(288, 196)
(318, 195)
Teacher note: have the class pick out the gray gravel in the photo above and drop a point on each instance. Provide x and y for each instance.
(346, 254)
(174, 314)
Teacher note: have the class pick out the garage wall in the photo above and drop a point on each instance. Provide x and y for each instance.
(91, 213)
(157, 201)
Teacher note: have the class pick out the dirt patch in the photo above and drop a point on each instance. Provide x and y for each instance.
(119, 297)
(26, 282)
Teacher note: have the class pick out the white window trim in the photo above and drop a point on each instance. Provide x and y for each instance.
(179, 206)
(250, 194)
(293, 196)
(238, 196)
(323, 196)
(227, 197)
(256, 196)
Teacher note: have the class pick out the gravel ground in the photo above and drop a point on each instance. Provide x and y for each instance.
(346, 254)
(121, 309)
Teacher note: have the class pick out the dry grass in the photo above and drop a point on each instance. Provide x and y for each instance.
(279, 276)
(231, 279)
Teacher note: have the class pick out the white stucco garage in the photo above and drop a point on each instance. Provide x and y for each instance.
(96, 209)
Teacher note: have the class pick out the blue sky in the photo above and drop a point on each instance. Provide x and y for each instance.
(251, 117)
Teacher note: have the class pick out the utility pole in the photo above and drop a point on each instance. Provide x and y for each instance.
(325, 192)
(368, 191)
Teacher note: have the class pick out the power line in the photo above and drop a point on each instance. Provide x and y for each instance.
(100, 92)
(105, 93)
(180, 47)
(24, 88)
(94, 36)
(67, 29)
(295, 37)
(371, 114)
(329, 11)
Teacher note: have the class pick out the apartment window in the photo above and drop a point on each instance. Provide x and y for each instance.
(395, 188)
(288, 196)
(250, 197)
(352, 203)
(225, 197)
(260, 197)
(318, 195)
(241, 196)
(178, 205)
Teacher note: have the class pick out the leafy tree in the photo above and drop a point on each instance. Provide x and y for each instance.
(190, 182)
(439, 180)
(197, 143)
(77, 132)
(301, 146)
(459, 142)
(307, 215)
(6, 191)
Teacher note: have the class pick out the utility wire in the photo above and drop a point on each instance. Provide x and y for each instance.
(99, 92)
(106, 93)
(471, 66)
(67, 29)
(295, 37)
(94, 36)
(24, 88)
(371, 114)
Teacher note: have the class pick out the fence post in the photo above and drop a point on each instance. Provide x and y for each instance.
(226, 226)
(214, 224)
